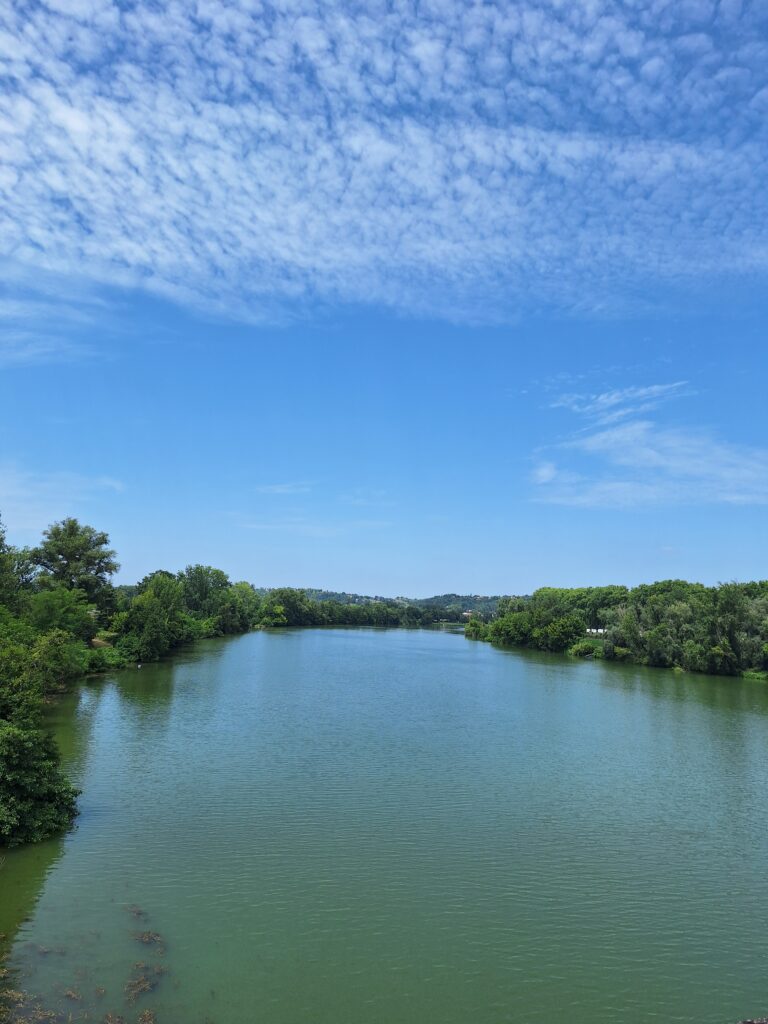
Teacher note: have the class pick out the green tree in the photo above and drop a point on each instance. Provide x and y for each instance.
(78, 557)
(16, 572)
(36, 800)
(204, 589)
(57, 658)
(156, 621)
(288, 607)
(559, 634)
(59, 608)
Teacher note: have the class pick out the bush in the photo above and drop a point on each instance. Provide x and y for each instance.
(516, 628)
(104, 659)
(57, 658)
(476, 629)
(36, 801)
(587, 648)
(612, 652)
(560, 633)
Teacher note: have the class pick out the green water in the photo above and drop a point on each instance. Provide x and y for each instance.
(362, 826)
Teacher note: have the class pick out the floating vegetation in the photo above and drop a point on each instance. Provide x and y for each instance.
(80, 1002)
(138, 986)
(13, 997)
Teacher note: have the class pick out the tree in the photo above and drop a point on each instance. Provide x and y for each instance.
(288, 607)
(156, 621)
(561, 633)
(204, 588)
(57, 658)
(78, 557)
(35, 799)
(238, 608)
(7, 576)
(59, 608)
(16, 572)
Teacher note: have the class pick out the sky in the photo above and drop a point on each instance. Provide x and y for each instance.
(398, 299)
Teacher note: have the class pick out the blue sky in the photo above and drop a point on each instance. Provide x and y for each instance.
(389, 299)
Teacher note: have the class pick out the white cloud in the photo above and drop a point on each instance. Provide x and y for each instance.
(620, 460)
(545, 472)
(287, 488)
(367, 497)
(607, 406)
(466, 160)
(305, 527)
(31, 501)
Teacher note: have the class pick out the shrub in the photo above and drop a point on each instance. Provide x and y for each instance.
(36, 801)
(587, 648)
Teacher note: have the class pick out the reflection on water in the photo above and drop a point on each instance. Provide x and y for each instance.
(398, 826)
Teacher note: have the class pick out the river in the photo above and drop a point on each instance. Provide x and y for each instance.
(359, 826)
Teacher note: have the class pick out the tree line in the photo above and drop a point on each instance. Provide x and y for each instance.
(61, 618)
(721, 630)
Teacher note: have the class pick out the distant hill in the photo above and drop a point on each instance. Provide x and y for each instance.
(344, 598)
(457, 604)
(452, 606)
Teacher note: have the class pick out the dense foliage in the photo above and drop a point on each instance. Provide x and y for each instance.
(287, 607)
(440, 608)
(722, 630)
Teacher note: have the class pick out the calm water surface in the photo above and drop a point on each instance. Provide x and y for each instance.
(361, 826)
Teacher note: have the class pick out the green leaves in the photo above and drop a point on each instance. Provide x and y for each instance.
(35, 799)
(78, 557)
(722, 630)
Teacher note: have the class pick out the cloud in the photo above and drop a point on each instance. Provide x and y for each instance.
(288, 488)
(463, 160)
(42, 315)
(19, 348)
(31, 501)
(545, 472)
(365, 497)
(619, 460)
(608, 406)
(305, 527)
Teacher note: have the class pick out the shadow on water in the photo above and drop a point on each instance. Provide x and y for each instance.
(22, 877)
(74, 719)
(138, 701)
(663, 685)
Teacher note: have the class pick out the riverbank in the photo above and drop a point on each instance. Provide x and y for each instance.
(719, 630)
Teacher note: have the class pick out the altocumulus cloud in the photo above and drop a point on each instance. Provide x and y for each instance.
(461, 158)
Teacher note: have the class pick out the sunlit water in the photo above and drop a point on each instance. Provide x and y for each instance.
(362, 826)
